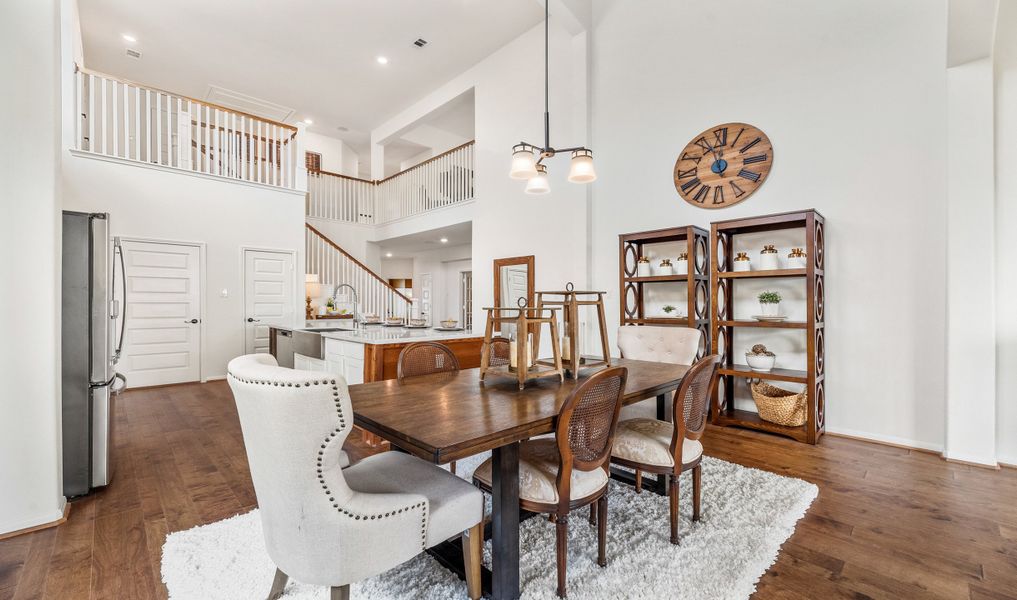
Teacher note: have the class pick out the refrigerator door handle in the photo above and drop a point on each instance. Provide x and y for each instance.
(120, 309)
(116, 389)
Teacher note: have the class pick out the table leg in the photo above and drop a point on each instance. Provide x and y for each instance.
(660, 485)
(505, 522)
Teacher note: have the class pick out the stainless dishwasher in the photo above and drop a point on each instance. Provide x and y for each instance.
(284, 347)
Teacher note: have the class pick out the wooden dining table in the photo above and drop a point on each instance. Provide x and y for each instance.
(449, 416)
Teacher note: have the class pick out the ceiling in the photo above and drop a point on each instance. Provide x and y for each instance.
(316, 58)
(408, 246)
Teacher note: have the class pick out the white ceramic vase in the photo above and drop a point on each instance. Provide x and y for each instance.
(643, 269)
(769, 310)
(681, 267)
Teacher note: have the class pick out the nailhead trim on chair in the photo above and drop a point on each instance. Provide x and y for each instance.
(321, 453)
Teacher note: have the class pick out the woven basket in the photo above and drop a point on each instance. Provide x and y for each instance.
(779, 406)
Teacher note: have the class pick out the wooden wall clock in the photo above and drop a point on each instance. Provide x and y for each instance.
(723, 165)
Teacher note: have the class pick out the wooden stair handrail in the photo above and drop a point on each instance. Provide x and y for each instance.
(380, 181)
(357, 262)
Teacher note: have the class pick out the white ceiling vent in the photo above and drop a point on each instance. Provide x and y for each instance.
(248, 104)
(420, 43)
(133, 53)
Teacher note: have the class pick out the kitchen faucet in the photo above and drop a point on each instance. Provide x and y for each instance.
(356, 301)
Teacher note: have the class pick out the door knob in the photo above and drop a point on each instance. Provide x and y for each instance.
(253, 320)
(192, 321)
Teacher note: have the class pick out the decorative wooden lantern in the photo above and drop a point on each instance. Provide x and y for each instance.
(569, 301)
(527, 321)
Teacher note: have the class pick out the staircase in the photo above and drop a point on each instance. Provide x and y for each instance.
(335, 266)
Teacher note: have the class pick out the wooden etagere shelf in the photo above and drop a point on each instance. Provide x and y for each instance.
(697, 285)
(723, 323)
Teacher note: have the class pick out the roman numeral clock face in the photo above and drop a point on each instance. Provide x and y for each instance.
(723, 165)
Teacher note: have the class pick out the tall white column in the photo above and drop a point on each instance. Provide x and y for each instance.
(971, 310)
(30, 238)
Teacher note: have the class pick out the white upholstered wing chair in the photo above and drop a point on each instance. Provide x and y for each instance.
(677, 345)
(329, 526)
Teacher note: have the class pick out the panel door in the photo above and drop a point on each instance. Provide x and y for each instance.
(268, 296)
(162, 335)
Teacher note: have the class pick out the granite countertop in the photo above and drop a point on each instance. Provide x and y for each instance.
(379, 334)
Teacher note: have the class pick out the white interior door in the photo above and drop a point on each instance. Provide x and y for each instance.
(268, 295)
(516, 288)
(162, 335)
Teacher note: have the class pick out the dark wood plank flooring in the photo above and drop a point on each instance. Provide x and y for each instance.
(888, 523)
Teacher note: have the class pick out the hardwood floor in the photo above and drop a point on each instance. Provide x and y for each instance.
(888, 523)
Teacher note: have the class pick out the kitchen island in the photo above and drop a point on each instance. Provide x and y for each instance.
(370, 352)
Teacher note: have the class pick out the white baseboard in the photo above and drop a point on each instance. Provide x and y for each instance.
(972, 459)
(214, 378)
(57, 515)
(887, 439)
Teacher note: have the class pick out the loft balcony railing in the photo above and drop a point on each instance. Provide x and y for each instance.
(126, 120)
(443, 180)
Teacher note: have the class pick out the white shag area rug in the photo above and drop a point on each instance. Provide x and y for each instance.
(747, 514)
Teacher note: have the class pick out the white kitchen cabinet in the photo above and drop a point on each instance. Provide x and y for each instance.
(306, 363)
(353, 371)
(346, 359)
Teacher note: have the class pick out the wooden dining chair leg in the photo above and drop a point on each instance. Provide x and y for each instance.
(340, 593)
(697, 489)
(473, 545)
(601, 530)
(278, 585)
(593, 513)
(639, 481)
(452, 467)
(673, 506)
(561, 550)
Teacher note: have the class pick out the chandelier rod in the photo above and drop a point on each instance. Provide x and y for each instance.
(547, 118)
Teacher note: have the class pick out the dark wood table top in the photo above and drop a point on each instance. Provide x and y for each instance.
(449, 416)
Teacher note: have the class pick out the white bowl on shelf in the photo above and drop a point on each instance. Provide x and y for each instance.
(760, 362)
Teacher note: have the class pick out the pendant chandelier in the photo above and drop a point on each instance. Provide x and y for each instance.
(525, 164)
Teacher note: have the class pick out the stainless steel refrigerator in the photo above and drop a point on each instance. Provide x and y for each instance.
(93, 270)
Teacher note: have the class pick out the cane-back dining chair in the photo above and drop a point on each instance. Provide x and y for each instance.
(558, 475)
(668, 449)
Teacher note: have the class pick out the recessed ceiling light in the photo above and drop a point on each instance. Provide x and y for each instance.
(444, 240)
(388, 255)
(129, 38)
(308, 122)
(382, 60)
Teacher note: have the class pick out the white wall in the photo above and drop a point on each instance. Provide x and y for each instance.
(444, 265)
(509, 106)
(852, 96)
(396, 268)
(173, 206)
(1006, 232)
(336, 155)
(30, 237)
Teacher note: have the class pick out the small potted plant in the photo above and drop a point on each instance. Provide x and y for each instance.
(668, 309)
(760, 359)
(769, 303)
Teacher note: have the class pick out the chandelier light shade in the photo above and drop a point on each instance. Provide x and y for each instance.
(524, 164)
(582, 170)
(538, 184)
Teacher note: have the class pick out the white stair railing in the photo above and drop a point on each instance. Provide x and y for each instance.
(126, 120)
(334, 266)
(340, 198)
(441, 181)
